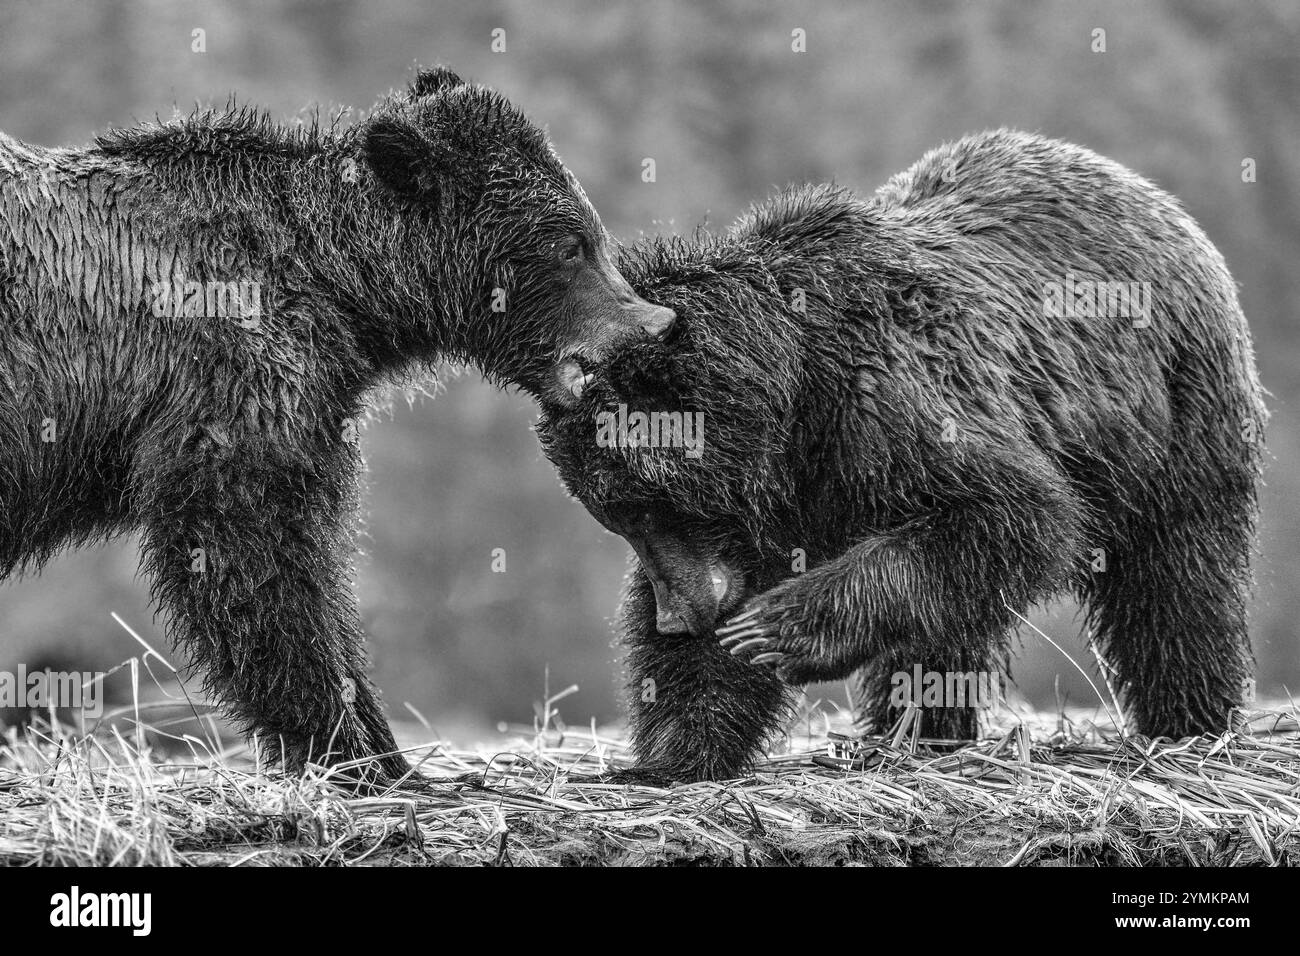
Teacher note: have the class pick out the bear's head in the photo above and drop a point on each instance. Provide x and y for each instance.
(684, 445)
(502, 238)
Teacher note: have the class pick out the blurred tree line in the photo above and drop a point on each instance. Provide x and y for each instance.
(715, 94)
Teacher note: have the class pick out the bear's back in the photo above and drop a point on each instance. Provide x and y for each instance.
(1091, 287)
(1018, 211)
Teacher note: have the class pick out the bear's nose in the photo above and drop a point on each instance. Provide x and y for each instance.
(670, 622)
(655, 320)
(669, 616)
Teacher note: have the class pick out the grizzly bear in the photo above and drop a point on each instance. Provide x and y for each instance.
(193, 316)
(1018, 370)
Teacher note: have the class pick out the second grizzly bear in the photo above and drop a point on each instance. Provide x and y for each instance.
(1019, 370)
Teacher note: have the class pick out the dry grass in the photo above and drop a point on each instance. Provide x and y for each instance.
(1045, 791)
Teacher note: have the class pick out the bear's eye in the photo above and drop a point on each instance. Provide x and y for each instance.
(569, 249)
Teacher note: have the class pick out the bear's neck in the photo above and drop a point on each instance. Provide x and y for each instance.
(299, 195)
(402, 289)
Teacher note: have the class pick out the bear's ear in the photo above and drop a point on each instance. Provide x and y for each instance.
(403, 158)
(431, 81)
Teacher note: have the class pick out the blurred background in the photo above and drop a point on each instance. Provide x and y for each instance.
(1183, 93)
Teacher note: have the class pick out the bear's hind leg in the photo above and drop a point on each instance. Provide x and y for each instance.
(1169, 617)
(1168, 614)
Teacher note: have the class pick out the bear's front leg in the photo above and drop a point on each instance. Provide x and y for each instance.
(696, 712)
(249, 556)
(830, 620)
(944, 586)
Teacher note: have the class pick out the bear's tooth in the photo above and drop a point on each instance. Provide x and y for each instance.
(580, 385)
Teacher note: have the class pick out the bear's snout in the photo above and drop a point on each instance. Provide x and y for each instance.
(692, 588)
(655, 320)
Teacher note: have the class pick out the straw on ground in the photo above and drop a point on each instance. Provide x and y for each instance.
(1043, 791)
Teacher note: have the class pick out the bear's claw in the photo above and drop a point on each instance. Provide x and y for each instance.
(739, 619)
(752, 642)
(737, 637)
